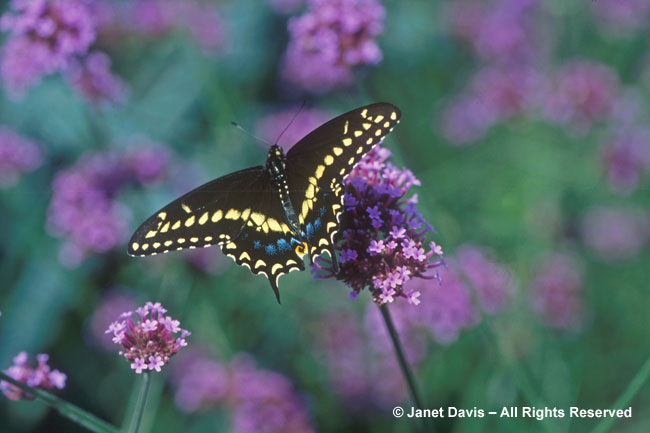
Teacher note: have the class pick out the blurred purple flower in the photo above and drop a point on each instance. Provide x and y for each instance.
(616, 233)
(364, 374)
(111, 305)
(501, 30)
(18, 155)
(84, 208)
(385, 230)
(492, 282)
(200, 383)
(556, 292)
(583, 93)
(271, 126)
(150, 340)
(40, 377)
(446, 306)
(329, 40)
(44, 36)
(91, 77)
(258, 400)
(264, 401)
(622, 16)
(156, 18)
(626, 157)
(495, 94)
(286, 6)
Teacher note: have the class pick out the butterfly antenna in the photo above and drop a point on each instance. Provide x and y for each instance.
(291, 122)
(242, 129)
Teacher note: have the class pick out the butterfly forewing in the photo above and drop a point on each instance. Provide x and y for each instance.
(205, 216)
(318, 163)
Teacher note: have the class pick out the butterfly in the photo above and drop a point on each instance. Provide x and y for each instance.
(268, 217)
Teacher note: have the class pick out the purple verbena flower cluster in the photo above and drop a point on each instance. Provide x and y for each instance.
(492, 282)
(44, 36)
(329, 40)
(271, 126)
(499, 30)
(84, 207)
(622, 16)
(616, 233)
(157, 18)
(92, 78)
(626, 158)
(556, 292)
(495, 95)
(583, 93)
(18, 155)
(382, 244)
(40, 377)
(258, 400)
(150, 340)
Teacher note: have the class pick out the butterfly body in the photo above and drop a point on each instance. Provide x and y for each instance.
(268, 217)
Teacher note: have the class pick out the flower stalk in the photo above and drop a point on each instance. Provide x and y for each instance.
(68, 410)
(401, 358)
(140, 404)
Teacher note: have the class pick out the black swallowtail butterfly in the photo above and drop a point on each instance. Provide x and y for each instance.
(268, 217)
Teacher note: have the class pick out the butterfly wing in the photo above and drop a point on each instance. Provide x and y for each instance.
(317, 165)
(240, 212)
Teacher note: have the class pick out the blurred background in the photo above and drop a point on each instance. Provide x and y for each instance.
(526, 122)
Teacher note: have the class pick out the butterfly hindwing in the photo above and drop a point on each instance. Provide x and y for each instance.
(317, 165)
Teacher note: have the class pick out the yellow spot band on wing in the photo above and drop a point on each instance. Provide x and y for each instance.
(233, 214)
(165, 228)
(329, 160)
(176, 225)
(150, 234)
(190, 221)
(186, 208)
(348, 141)
(216, 216)
(203, 219)
(337, 150)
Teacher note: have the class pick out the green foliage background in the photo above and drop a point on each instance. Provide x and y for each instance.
(494, 193)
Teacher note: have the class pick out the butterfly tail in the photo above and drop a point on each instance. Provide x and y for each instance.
(275, 290)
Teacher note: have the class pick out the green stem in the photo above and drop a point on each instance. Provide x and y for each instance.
(403, 363)
(140, 404)
(626, 397)
(68, 410)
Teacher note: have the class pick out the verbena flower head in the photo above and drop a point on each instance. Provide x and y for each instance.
(584, 93)
(622, 16)
(148, 337)
(271, 126)
(44, 36)
(616, 233)
(626, 158)
(42, 376)
(492, 282)
(329, 40)
(556, 291)
(495, 95)
(258, 400)
(17, 155)
(84, 207)
(91, 77)
(498, 30)
(382, 244)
